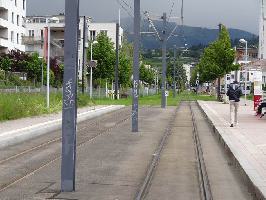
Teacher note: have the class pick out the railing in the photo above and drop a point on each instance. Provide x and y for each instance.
(98, 93)
(32, 40)
(28, 89)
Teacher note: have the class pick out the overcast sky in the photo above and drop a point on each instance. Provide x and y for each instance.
(241, 14)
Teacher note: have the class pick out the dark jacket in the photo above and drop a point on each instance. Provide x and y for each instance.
(234, 92)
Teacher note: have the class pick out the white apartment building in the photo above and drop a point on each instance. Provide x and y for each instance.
(108, 28)
(12, 14)
(262, 31)
(187, 68)
(36, 36)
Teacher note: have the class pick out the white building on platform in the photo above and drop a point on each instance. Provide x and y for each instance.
(12, 14)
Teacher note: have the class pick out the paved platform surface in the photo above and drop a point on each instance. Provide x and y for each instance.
(247, 141)
(110, 166)
(29, 121)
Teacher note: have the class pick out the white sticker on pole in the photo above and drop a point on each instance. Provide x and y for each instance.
(167, 93)
(258, 83)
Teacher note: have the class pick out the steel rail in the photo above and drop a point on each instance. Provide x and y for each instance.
(143, 190)
(204, 183)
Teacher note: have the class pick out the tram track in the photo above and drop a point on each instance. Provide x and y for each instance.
(203, 182)
(117, 118)
(93, 123)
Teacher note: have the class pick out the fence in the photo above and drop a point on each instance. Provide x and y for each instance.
(103, 93)
(27, 89)
(96, 92)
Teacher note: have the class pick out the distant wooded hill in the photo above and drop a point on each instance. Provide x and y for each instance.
(192, 36)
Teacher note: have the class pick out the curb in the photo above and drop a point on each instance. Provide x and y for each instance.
(21, 135)
(253, 186)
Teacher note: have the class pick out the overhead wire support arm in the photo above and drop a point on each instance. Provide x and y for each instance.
(182, 20)
(172, 32)
(152, 25)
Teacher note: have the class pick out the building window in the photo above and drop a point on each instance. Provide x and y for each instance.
(24, 4)
(264, 79)
(92, 35)
(31, 33)
(12, 36)
(41, 34)
(18, 20)
(17, 38)
(103, 32)
(12, 18)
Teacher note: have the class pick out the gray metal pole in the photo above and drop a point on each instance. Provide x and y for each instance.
(42, 77)
(246, 72)
(83, 55)
(174, 93)
(117, 61)
(164, 41)
(135, 91)
(69, 119)
(91, 73)
(48, 67)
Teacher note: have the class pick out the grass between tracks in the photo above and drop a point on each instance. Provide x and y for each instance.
(15, 106)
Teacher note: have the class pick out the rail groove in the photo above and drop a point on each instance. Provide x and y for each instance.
(204, 183)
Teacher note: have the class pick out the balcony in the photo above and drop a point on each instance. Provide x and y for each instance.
(3, 23)
(31, 40)
(4, 42)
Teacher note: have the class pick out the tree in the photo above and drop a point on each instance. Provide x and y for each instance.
(58, 70)
(104, 53)
(125, 64)
(146, 74)
(33, 67)
(217, 59)
(5, 65)
(180, 72)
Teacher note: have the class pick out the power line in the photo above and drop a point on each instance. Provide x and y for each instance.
(124, 8)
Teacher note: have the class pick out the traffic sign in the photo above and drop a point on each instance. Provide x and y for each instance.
(92, 63)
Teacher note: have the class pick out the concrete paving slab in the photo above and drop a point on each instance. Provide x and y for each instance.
(246, 141)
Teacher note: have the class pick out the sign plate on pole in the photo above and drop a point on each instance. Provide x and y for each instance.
(257, 88)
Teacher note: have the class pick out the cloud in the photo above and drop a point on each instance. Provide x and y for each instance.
(242, 14)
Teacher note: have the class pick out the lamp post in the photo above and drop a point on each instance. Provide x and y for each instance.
(42, 72)
(48, 21)
(92, 43)
(246, 61)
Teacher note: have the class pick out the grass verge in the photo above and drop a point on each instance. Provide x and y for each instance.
(19, 105)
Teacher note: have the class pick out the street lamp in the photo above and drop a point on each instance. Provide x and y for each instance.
(246, 59)
(92, 43)
(42, 72)
(48, 21)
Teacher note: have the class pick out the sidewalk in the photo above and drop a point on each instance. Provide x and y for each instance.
(16, 131)
(247, 141)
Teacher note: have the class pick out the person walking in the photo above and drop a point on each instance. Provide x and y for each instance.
(234, 93)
